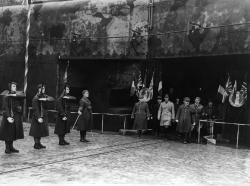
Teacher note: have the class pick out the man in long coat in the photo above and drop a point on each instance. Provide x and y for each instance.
(141, 115)
(156, 122)
(11, 127)
(63, 113)
(39, 125)
(184, 120)
(85, 121)
(166, 113)
(197, 113)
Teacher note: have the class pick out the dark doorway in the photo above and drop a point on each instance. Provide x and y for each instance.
(108, 80)
(201, 76)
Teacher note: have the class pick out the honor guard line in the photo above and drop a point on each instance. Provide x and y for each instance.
(212, 122)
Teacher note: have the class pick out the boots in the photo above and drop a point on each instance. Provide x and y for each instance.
(38, 144)
(42, 146)
(12, 149)
(62, 140)
(187, 136)
(83, 136)
(65, 142)
(139, 133)
(7, 147)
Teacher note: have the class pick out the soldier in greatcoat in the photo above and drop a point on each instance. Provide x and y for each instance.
(11, 127)
(197, 113)
(184, 120)
(63, 114)
(156, 122)
(39, 125)
(141, 115)
(85, 121)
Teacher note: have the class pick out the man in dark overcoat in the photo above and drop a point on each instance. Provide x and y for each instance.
(184, 120)
(85, 121)
(197, 113)
(141, 115)
(11, 127)
(39, 125)
(63, 114)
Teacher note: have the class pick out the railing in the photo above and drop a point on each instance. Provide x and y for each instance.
(102, 114)
(212, 122)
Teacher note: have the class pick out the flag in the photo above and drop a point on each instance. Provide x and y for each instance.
(133, 88)
(227, 90)
(243, 89)
(139, 85)
(228, 86)
(65, 77)
(235, 86)
(188, 26)
(151, 87)
(139, 82)
(160, 88)
(145, 80)
(223, 92)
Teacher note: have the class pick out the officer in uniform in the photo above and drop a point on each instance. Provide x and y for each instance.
(197, 113)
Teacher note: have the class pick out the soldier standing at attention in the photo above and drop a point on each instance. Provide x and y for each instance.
(63, 107)
(140, 114)
(85, 120)
(11, 127)
(39, 125)
(184, 120)
(197, 111)
(156, 122)
(166, 113)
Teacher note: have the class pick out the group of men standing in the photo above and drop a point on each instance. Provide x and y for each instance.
(185, 117)
(11, 127)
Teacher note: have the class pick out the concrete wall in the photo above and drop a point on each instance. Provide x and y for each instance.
(100, 29)
(103, 28)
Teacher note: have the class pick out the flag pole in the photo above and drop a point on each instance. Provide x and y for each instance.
(26, 62)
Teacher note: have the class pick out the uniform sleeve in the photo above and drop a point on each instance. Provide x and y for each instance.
(6, 109)
(35, 108)
(192, 117)
(19, 106)
(59, 105)
(133, 111)
(159, 111)
(147, 111)
(192, 113)
(82, 106)
(178, 113)
(173, 112)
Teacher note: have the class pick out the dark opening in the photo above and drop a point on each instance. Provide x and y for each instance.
(201, 76)
(108, 81)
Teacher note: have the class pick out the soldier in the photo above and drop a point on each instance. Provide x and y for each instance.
(197, 112)
(39, 125)
(166, 113)
(184, 120)
(209, 111)
(85, 121)
(176, 104)
(11, 127)
(63, 107)
(140, 114)
(209, 114)
(155, 108)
